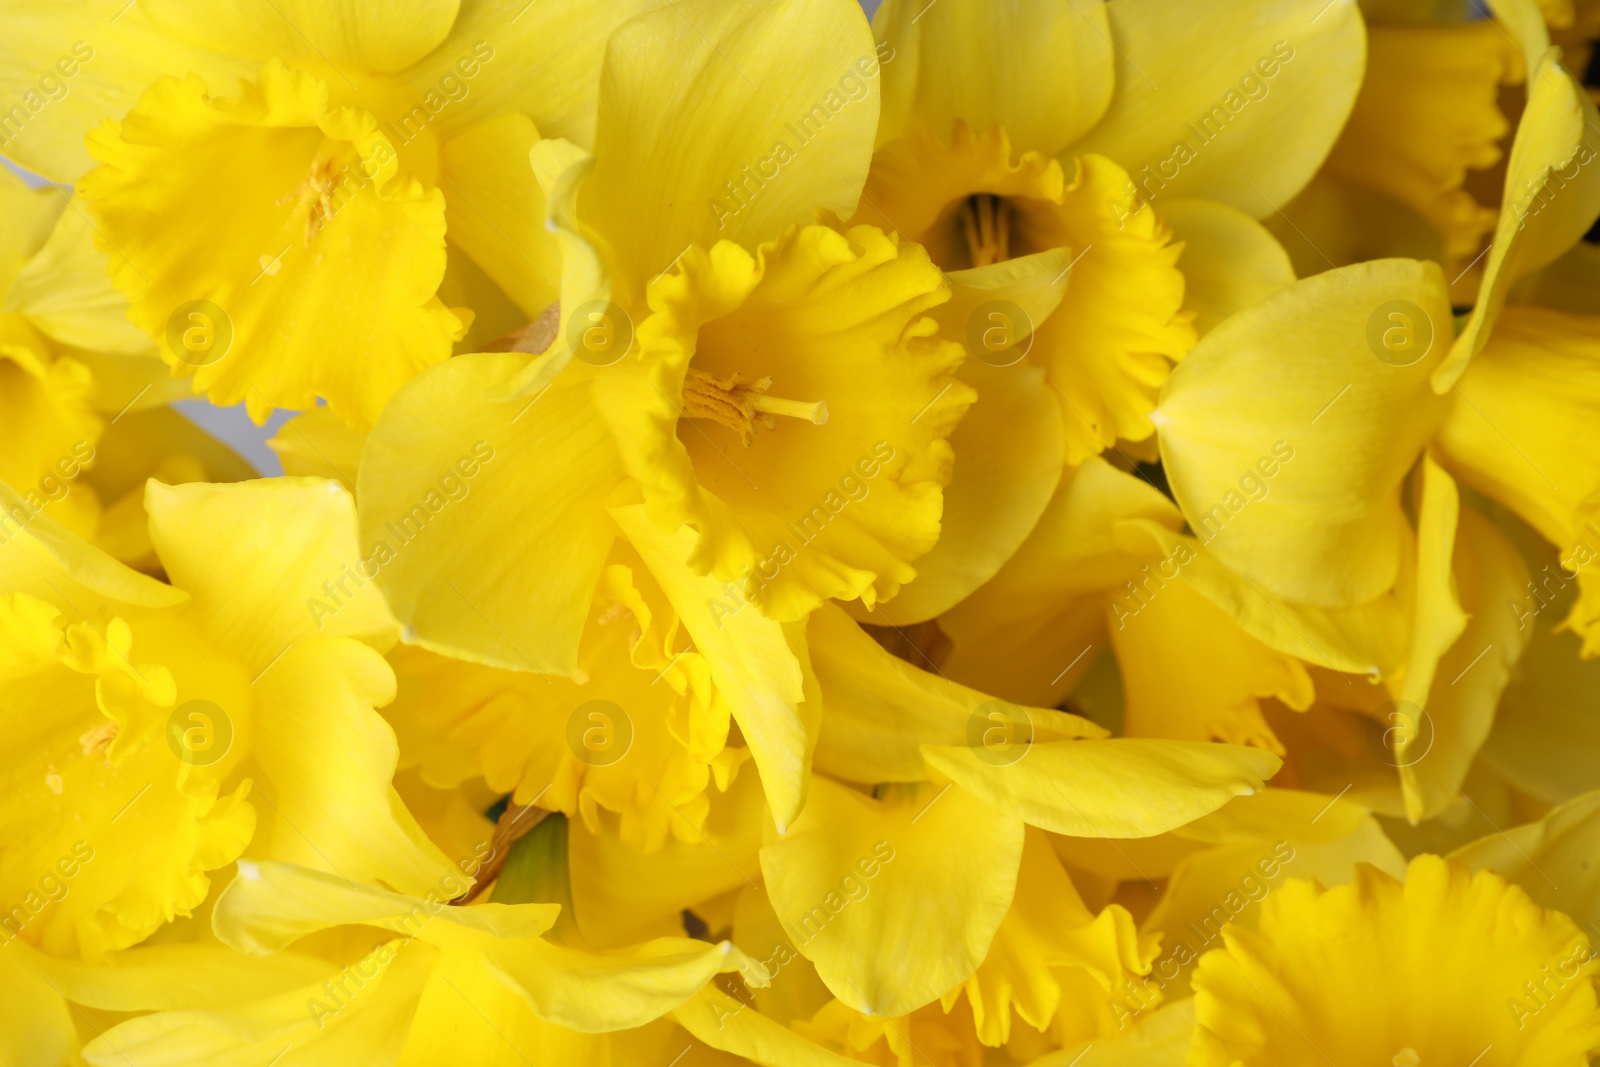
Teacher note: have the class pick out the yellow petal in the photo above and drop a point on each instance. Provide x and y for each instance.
(1113, 787)
(867, 893)
(319, 444)
(43, 559)
(1300, 494)
(1427, 112)
(1369, 638)
(48, 430)
(311, 191)
(174, 976)
(1257, 95)
(495, 209)
(1027, 633)
(1545, 731)
(468, 1014)
(141, 444)
(1514, 431)
(1551, 198)
(108, 838)
(1471, 673)
(1230, 262)
(1007, 448)
(37, 1026)
(1048, 930)
(447, 436)
(292, 571)
(354, 1013)
(32, 214)
(364, 37)
(1566, 284)
(754, 661)
(920, 182)
(1158, 1039)
(1549, 859)
(1110, 345)
(1224, 884)
(1335, 221)
(621, 895)
(679, 102)
(328, 760)
(1041, 71)
(503, 57)
(881, 709)
(67, 83)
(1189, 672)
(729, 1025)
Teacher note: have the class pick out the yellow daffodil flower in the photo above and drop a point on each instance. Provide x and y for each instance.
(1439, 968)
(157, 713)
(1089, 224)
(642, 732)
(749, 508)
(411, 123)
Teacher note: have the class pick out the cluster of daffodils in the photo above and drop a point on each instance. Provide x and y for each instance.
(1003, 532)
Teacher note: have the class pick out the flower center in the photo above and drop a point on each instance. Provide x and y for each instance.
(315, 194)
(741, 408)
(986, 222)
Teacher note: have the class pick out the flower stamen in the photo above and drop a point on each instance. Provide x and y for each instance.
(316, 194)
(986, 221)
(730, 402)
(99, 739)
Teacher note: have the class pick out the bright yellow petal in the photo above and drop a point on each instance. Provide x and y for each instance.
(292, 571)
(85, 80)
(1370, 638)
(31, 215)
(755, 662)
(361, 36)
(1041, 71)
(1546, 737)
(65, 292)
(36, 1026)
(1112, 787)
(1470, 675)
(881, 709)
(503, 57)
(1239, 98)
(1517, 430)
(1025, 634)
(1427, 112)
(1230, 262)
(1007, 447)
(837, 500)
(319, 444)
(866, 891)
(1049, 930)
(1189, 672)
(452, 464)
(1551, 859)
(108, 837)
(1300, 493)
(1551, 198)
(495, 209)
(328, 759)
(679, 103)
(1110, 346)
(621, 895)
